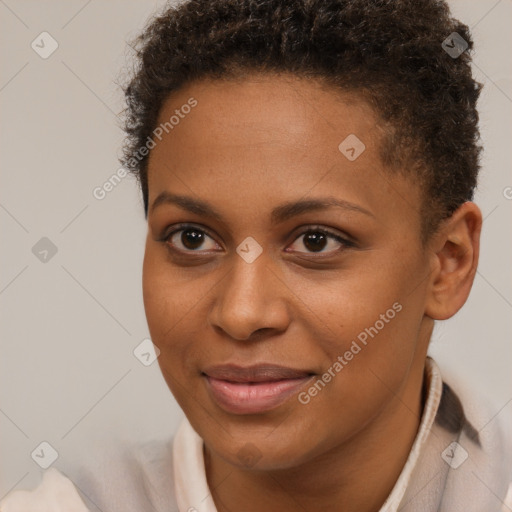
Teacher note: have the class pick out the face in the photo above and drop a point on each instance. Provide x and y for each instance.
(284, 276)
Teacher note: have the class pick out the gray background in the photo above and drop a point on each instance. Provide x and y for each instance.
(69, 325)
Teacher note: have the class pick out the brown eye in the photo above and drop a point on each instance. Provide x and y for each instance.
(190, 239)
(315, 241)
(320, 241)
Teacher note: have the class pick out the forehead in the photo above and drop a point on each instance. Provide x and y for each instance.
(269, 138)
(268, 111)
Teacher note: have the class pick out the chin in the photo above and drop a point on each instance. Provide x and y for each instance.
(263, 448)
(258, 456)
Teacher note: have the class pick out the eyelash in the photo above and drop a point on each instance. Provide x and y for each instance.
(314, 229)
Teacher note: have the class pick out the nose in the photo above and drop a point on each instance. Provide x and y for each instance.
(250, 299)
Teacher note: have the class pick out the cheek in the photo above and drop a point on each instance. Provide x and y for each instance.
(166, 306)
(371, 319)
(360, 305)
(155, 295)
(168, 300)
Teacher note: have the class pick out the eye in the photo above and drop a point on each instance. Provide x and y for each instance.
(190, 239)
(320, 240)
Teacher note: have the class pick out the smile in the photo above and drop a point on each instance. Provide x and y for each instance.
(254, 389)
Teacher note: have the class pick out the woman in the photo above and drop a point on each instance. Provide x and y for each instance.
(310, 216)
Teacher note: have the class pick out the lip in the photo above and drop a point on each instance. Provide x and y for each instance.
(253, 389)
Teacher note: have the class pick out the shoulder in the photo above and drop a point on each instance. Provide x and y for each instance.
(479, 456)
(464, 459)
(129, 477)
(123, 477)
(55, 492)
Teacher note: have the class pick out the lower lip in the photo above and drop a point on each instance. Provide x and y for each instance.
(243, 398)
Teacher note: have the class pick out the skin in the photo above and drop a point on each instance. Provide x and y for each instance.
(247, 147)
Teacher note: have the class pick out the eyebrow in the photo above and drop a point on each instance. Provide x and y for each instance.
(279, 214)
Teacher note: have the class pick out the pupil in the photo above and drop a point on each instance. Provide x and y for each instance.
(315, 241)
(192, 239)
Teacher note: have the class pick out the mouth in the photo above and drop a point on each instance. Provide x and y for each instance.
(254, 389)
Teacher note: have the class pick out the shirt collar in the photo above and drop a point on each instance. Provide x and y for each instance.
(434, 391)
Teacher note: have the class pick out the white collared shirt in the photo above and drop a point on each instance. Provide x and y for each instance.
(446, 471)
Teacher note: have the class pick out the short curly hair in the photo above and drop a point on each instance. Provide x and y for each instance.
(388, 51)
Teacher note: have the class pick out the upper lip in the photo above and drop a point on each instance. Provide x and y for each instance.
(254, 373)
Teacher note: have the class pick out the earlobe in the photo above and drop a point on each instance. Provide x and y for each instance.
(455, 251)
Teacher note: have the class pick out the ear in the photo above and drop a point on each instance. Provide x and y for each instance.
(455, 248)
